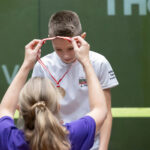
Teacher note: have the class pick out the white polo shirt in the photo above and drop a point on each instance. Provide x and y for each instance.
(75, 103)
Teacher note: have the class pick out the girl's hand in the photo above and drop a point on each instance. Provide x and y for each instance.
(81, 48)
(32, 52)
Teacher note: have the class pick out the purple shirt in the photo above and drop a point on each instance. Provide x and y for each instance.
(82, 133)
(11, 138)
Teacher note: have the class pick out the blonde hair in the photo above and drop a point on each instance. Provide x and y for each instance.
(39, 108)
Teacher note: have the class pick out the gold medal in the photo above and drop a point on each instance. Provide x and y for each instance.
(62, 91)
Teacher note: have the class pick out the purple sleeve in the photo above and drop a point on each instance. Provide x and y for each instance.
(11, 138)
(82, 133)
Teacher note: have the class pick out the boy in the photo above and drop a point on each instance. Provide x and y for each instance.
(63, 66)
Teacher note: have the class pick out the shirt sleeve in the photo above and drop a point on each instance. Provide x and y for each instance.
(82, 133)
(106, 75)
(11, 138)
(37, 71)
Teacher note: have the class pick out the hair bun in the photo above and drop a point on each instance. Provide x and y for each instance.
(40, 104)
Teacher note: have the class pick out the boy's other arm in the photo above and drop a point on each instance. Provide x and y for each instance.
(105, 131)
(108, 79)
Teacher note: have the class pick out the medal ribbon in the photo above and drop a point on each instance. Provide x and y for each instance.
(44, 66)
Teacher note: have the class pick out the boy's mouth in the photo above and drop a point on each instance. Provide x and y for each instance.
(69, 60)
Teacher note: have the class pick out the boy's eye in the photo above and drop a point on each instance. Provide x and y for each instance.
(70, 49)
(58, 50)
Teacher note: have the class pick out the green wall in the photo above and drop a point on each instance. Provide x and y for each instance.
(18, 26)
(112, 30)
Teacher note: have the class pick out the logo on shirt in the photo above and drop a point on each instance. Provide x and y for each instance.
(82, 82)
(111, 75)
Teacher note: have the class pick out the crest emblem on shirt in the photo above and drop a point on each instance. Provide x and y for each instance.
(82, 82)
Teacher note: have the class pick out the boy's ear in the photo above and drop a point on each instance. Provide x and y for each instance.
(83, 35)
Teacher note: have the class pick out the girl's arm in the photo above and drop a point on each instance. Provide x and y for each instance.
(10, 100)
(96, 96)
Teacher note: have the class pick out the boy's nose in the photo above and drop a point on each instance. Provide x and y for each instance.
(66, 56)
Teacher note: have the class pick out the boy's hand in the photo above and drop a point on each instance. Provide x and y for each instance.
(81, 48)
(32, 52)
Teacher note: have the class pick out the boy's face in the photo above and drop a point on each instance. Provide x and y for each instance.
(64, 50)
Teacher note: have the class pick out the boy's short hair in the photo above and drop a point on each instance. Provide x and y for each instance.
(64, 23)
